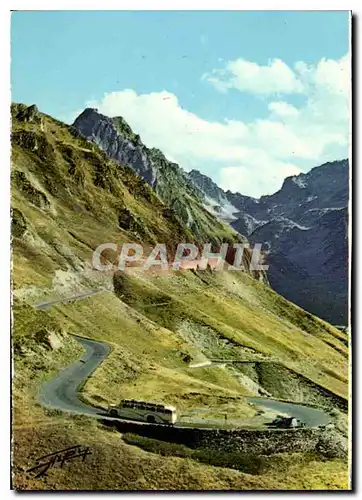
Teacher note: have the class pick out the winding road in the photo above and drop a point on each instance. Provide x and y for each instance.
(311, 417)
(62, 392)
(82, 295)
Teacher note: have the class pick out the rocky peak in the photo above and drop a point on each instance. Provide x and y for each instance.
(29, 114)
(172, 184)
(303, 228)
(115, 137)
(215, 199)
(209, 187)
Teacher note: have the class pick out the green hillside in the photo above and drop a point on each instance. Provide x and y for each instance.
(68, 198)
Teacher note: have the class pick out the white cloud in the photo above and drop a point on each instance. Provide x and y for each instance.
(163, 123)
(283, 109)
(278, 78)
(253, 157)
(333, 76)
(241, 178)
(247, 76)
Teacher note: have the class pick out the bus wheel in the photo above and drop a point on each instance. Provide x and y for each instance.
(113, 413)
(151, 419)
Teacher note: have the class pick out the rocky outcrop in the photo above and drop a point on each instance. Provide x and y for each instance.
(332, 444)
(25, 113)
(207, 186)
(130, 222)
(115, 137)
(215, 199)
(18, 223)
(34, 195)
(123, 148)
(172, 184)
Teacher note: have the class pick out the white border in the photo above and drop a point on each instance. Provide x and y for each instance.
(5, 145)
(181, 5)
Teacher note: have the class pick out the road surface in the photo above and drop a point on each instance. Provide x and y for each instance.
(62, 391)
(82, 295)
(312, 417)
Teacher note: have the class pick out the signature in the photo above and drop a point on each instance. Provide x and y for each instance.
(59, 458)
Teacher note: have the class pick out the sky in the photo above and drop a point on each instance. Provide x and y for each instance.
(247, 98)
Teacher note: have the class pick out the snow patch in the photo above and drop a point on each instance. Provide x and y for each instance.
(290, 224)
(302, 228)
(299, 182)
(252, 223)
(323, 211)
(226, 209)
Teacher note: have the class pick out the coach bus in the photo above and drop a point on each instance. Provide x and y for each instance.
(147, 412)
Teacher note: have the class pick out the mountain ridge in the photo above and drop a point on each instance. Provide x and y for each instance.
(302, 206)
(67, 198)
(299, 205)
(116, 138)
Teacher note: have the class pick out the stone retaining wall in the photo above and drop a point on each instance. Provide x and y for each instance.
(263, 442)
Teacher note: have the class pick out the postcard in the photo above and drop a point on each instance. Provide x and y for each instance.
(181, 250)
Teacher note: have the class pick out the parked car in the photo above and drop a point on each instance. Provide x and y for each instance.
(286, 422)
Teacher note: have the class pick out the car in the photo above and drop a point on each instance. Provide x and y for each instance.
(286, 422)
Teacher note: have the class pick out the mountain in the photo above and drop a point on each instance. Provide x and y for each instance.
(171, 183)
(300, 206)
(215, 200)
(67, 198)
(303, 229)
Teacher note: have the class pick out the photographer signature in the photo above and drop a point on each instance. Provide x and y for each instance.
(59, 458)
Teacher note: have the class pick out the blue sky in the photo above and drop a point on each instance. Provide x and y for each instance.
(212, 77)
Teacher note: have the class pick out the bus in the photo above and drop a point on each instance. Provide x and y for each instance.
(155, 413)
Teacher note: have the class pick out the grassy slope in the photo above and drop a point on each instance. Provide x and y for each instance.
(175, 190)
(133, 464)
(69, 197)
